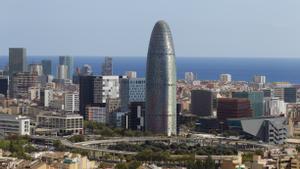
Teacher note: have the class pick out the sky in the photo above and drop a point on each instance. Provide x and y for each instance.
(200, 28)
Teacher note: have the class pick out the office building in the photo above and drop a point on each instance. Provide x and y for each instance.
(290, 95)
(160, 116)
(62, 72)
(97, 89)
(46, 96)
(131, 74)
(136, 116)
(71, 101)
(132, 90)
(189, 77)
(202, 102)
(68, 62)
(14, 124)
(4, 84)
(118, 119)
(36, 69)
(107, 66)
(62, 124)
(17, 60)
(225, 78)
(21, 82)
(96, 113)
(256, 100)
(279, 92)
(47, 67)
(233, 108)
(272, 130)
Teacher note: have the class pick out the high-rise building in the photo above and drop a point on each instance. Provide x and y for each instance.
(290, 95)
(107, 66)
(225, 78)
(36, 69)
(189, 77)
(72, 101)
(4, 83)
(46, 96)
(132, 90)
(233, 108)
(202, 102)
(67, 61)
(47, 67)
(17, 60)
(22, 81)
(97, 89)
(62, 72)
(256, 99)
(160, 116)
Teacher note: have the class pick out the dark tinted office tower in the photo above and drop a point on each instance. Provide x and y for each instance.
(17, 60)
(160, 114)
(67, 61)
(136, 116)
(202, 102)
(4, 85)
(233, 108)
(256, 101)
(86, 92)
(290, 95)
(47, 67)
(107, 67)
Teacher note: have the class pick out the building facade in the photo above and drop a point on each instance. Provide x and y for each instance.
(132, 90)
(107, 67)
(47, 67)
(233, 108)
(256, 100)
(68, 62)
(4, 85)
(71, 101)
(290, 95)
(63, 124)
(21, 82)
(14, 125)
(202, 102)
(160, 116)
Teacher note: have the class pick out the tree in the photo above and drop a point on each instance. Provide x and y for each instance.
(121, 166)
(134, 165)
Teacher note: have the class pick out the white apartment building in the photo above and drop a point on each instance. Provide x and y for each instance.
(14, 124)
(46, 97)
(71, 101)
(225, 78)
(259, 79)
(106, 87)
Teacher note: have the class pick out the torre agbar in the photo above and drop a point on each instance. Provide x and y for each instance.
(160, 116)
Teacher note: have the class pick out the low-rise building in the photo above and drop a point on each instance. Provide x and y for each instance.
(61, 123)
(14, 124)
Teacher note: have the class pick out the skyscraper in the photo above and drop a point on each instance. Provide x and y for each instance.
(160, 114)
(17, 60)
(107, 67)
(202, 102)
(67, 61)
(47, 67)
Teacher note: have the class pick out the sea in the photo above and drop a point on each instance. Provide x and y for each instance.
(205, 68)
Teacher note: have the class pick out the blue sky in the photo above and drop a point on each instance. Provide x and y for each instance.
(207, 28)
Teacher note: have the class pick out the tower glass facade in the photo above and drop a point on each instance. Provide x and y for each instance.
(161, 82)
(67, 61)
